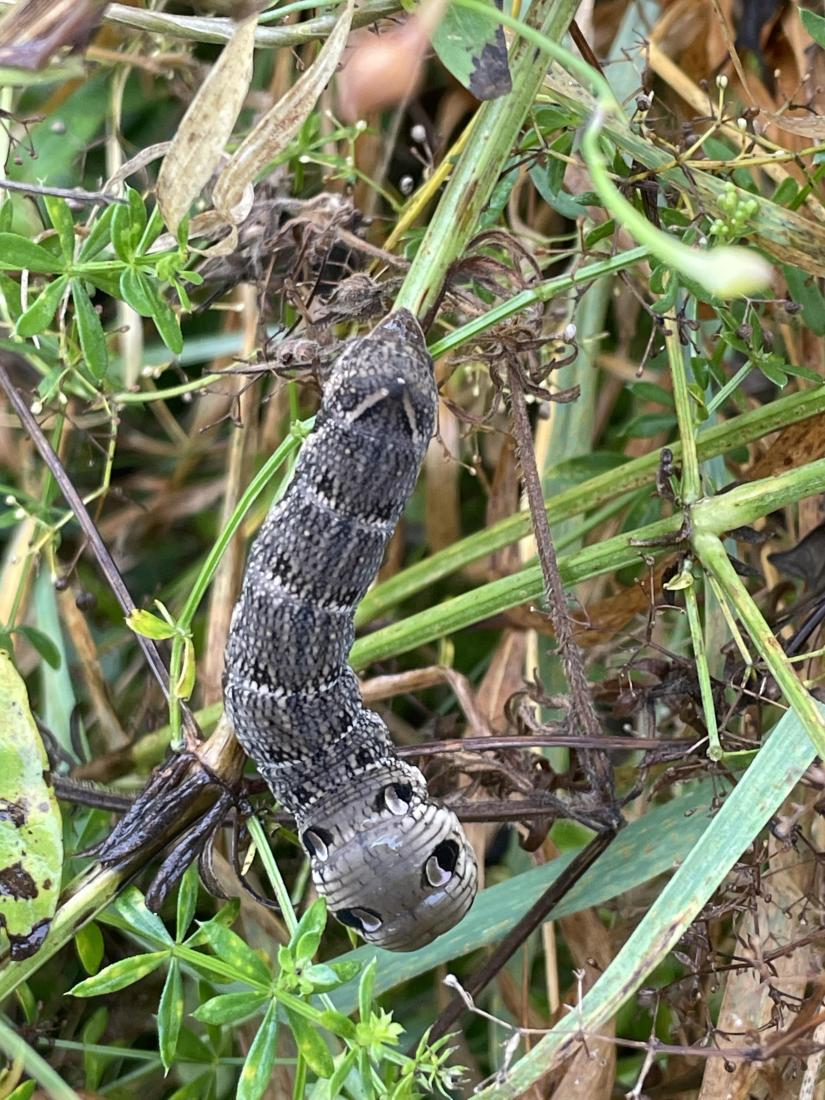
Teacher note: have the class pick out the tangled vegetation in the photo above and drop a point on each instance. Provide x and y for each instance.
(598, 629)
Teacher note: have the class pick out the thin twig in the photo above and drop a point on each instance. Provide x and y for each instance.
(535, 916)
(99, 548)
(73, 194)
(583, 710)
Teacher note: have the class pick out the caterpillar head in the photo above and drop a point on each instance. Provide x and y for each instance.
(398, 870)
(383, 383)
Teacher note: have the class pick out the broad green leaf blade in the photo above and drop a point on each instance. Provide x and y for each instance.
(310, 1044)
(187, 902)
(135, 289)
(233, 952)
(120, 974)
(90, 331)
(257, 1069)
(651, 846)
(759, 793)
(815, 26)
(31, 834)
(230, 1008)
(88, 943)
(135, 915)
(19, 254)
(40, 313)
(61, 218)
(170, 1015)
(473, 48)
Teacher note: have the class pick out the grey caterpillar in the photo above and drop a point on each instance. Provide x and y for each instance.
(391, 862)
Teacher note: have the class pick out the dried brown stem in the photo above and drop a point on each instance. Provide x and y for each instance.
(594, 761)
(99, 549)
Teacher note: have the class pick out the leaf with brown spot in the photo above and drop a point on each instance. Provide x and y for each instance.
(473, 48)
(31, 833)
(207, 126)
(280, 124)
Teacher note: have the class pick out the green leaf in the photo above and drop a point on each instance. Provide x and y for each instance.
(23, 1092)
(133, 911)
(772, 371)
(61, 218)
(310, 1044)
(42, 643)
(137, 212)
(40, 313)
(31, 833)
(88, 942)
(323, 977)
(338, 1024)
(20, 254)
(804, 289)
(6, 215)
(166, 322)
(230, 1008)
(120, 974)
(149, 626)
(365, 989)
(10, 290)
(193, 1090)
(233, 952)
(186, 680)
(815, 26)
(122, 241)
(135, 290)
(90, 331)
(257, 1069)
(187, 901)
(170, 1015)
(472, 47)
(647, 847)
(99, 235)
(307, 936)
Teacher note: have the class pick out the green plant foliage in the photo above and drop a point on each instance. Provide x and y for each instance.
(31, 842)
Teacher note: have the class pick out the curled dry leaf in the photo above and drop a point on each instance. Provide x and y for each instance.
(279, 125)
(207, 125)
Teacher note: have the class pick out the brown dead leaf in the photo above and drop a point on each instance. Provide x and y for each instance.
(795, 446)
(280, 124)
(807, 125)
(605, 618)
(207, 126)
(34, 30)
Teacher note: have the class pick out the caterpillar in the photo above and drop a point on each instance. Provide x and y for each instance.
(391, 862)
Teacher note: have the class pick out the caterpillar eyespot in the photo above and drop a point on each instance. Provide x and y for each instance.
(441, 865)
(317, 842)
(362, 920)
(391, 862)
(397, 798)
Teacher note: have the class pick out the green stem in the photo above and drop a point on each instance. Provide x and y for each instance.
(702, 671)
(716, 440)
(691, 478)
(712, 554)
(741, 506)
(36, 1067)
(543, 292)
(495, 130)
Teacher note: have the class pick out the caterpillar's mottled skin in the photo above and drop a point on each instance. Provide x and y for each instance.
(391, 863)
